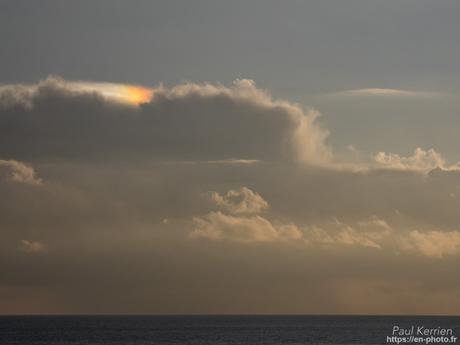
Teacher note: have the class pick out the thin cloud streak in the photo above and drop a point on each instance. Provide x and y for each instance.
(386, 92)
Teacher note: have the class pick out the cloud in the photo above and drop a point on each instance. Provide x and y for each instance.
(421, 160)
(376, 233)
(348, 236)
(76, 121)
(110, 218)
(237, 228)
(14, 171)
(229, 161)
(241, 201)
(218, 227)
(372, 232)
(129, 94)
(366, 233)
(238, 225)
(25, 95)
(124, 196)
(32, 246)
(435, 244)
(234, 161)
(248, 229)
(385, 92)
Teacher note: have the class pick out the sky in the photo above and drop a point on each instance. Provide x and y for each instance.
(217, 157)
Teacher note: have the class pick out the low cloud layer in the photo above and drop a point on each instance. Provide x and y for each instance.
(373, 232)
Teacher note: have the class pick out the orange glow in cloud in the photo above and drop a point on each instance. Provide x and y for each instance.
(136, 94)
(129, 94)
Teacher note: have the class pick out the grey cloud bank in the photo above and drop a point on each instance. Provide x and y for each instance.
(187, 122)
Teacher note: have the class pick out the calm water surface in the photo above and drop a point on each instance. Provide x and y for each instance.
(208, 330)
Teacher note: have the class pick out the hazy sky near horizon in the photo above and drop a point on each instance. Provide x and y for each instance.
(229, 156)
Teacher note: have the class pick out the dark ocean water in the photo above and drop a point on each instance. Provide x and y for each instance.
(202, 330)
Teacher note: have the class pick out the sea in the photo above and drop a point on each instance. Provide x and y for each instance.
(212, 330)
